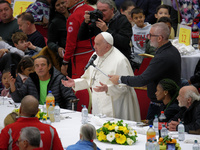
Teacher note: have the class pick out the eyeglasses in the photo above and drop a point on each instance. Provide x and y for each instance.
(150, 35)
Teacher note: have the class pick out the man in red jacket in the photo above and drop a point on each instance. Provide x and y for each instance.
(78, 51)
(28, 109)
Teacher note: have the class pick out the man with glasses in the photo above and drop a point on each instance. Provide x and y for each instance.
(29, 139)
(165, 64)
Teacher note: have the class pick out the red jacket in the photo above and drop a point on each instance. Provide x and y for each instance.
(73, 45)
(10, 134)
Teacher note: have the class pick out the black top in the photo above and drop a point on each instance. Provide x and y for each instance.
(57, 32)
(165, 64)
(36, 39)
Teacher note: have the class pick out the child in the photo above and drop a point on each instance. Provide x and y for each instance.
(24, 68)
(6, 84)
(167, 21)
(140, 31)
(164, 11)
(126, 8)
(20, 41)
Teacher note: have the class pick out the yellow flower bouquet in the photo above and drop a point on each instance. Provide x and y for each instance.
(117, 133)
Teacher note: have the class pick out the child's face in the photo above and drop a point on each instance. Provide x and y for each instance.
(27, 71)
(138, 19)
(22, 45)
(127, 13)
(162, 13)
(5, 80)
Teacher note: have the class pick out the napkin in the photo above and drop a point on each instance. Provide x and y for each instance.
(98, 121)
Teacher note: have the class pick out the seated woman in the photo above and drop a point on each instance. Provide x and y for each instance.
(87, 134)
(167, 91)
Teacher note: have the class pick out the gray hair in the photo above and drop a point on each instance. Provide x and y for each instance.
(32, 135)
(192, 94)
(110, 3)
(161, 29)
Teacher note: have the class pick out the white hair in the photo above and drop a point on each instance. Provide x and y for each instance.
(192, 94)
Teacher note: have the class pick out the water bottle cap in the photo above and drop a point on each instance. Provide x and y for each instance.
(50, 104)
(56, 104)
(150, 126)
(48, 118)
(162, 112)
(156, 116)
(49, 91)
(180, 122)
(163, 125)
(195, 141)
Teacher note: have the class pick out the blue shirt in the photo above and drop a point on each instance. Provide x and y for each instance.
(80, 145)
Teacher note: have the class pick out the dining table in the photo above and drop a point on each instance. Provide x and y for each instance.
(69, 128)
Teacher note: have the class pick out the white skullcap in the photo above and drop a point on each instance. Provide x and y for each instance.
(108, 37)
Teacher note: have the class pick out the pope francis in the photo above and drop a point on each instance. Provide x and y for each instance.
(119, 101)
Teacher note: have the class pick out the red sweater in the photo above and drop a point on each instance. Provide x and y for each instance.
(10, 134)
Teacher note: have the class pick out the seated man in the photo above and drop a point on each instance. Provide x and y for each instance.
(8, 24)
(39, 83)
(189, 101)
(28, 109)
(26, 24)
(118, 101)
(30, 139)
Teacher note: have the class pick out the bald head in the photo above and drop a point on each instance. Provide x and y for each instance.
(29, 106)
(187, 95)
(161, 29)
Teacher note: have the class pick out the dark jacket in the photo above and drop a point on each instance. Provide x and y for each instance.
(57, 32)
(32, 87)
(195, 79)
(165, 64)
(190, 117)
(118, 26)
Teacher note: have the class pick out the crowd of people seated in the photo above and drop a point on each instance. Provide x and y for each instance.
(114, 37)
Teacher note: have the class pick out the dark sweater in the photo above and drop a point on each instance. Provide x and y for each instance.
(36, 39)
(165, 64)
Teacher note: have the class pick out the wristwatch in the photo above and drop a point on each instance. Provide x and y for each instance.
(119, 81)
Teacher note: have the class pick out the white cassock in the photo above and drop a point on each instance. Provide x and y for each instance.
(120, 101)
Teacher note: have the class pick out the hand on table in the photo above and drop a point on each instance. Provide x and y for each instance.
(68, 83)
(102, 88)
(114, 79)
(172, 125)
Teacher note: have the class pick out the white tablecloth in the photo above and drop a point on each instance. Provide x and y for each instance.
(188, 64)
(68, 130)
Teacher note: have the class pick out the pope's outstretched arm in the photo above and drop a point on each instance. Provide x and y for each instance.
(69, 82)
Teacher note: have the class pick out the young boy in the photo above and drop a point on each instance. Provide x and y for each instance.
(20, 41)
(164, 11)
(6, 84)
(140, 31)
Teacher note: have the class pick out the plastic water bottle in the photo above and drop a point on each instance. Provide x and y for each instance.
(48, 121)
(44, 120)
(156, 145)
(195, 36)
(44, 108)
(57, 113)
(155, 124)
(181, 132)
(84, 115)
(151, 145)
(147, 145)
(164, 131)
(195, 145)
(51, 113)
(162, 120)
(40, 119)
(151, 134)
(183, 22)
(50, 99)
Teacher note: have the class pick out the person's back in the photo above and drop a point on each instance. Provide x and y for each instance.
(28, 110)
(8, 24)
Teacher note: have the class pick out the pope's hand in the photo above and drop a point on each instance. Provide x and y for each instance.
(68, 83)
(114, 79)
(102, 88)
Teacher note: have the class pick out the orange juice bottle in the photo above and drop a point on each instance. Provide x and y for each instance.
(50, 99)
(151, 134)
